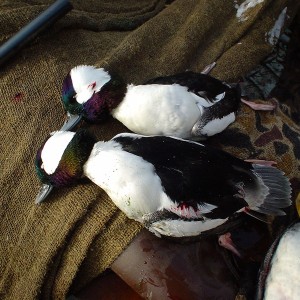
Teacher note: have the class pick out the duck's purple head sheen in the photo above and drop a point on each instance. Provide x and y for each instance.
(60, 160)
(91, 93)
(97, 109)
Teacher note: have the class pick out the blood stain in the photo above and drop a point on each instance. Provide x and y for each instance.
(18, 97)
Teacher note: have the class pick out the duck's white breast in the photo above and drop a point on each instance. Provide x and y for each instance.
(129, 180)
(159, 110)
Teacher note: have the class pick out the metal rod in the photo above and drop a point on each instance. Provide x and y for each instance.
(57, 10)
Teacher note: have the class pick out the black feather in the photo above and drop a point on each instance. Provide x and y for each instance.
(192, 174)
(195, 82)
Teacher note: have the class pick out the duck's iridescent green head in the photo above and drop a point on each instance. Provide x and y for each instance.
(59, 161)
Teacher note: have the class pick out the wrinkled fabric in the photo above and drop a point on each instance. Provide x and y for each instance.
(78, 233)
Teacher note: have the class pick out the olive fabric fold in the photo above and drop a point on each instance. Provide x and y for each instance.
(77, 234)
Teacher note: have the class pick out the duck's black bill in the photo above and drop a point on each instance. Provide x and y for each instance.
(71, 122)
(43, 193)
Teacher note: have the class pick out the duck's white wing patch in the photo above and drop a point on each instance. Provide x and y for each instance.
(54, 149)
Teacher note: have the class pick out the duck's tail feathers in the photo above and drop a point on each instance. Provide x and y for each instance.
(279, 193)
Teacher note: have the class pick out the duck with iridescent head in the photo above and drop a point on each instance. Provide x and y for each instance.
(188, 105)
(174, 187)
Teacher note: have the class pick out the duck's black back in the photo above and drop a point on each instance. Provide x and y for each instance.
(192, 173)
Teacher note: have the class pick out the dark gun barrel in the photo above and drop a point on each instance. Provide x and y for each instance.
(57, 10)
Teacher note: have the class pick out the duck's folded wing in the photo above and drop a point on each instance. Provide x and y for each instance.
(200, 84)
(199, 180)
(198, 196)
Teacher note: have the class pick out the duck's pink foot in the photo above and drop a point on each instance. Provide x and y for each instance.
(268, 163)
(226, 242)
(208, 68)
(259, 106)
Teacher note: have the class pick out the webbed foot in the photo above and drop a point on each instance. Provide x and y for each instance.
(226, 242)
(259, 106)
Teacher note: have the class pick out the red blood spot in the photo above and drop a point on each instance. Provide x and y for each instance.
(146, 245)
(92, 85)
(18, 97)
(185, 206)
(247, 209)
(182, 206)
(184, 209)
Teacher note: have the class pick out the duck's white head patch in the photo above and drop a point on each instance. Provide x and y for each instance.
(54, 149)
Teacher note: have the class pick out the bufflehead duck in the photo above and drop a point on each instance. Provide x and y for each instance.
(174, 187)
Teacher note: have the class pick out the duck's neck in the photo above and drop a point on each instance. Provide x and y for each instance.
(113, 92)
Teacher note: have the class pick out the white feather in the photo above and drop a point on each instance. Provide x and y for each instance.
(189, 212)
(181, 228)
(219, 97)
(160, 110)
(87, 80)
(54, 149)
(217, 125)
(242, 9)
(130, 181)
(283, 279)
(137, 136)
